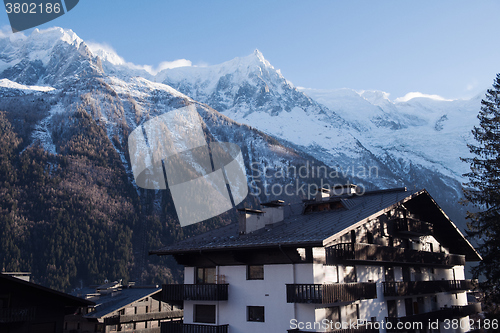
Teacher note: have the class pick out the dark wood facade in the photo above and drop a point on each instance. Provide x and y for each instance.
(29, 308)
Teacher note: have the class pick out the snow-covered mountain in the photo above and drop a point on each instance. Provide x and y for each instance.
(366, 136)
(56, 65)
(58, 93)
(412, 143)
(416, 142)
(424, 131)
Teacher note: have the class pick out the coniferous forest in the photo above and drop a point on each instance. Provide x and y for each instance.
(74, 218)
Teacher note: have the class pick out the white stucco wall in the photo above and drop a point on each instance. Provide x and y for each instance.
(270, 293)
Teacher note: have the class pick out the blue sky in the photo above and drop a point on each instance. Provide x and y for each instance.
(448, 48)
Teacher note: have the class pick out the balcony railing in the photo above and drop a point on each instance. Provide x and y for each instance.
(195, 292)
(180, 327)
(425, 287)
(413, 227)
(133, 318)
(444, 313)
(14, 315)
(371, 252)
(329, 293)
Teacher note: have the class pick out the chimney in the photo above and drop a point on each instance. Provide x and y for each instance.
(340, 190)
(274, 210)
(323, 194)
(250, 220)
(253, 219)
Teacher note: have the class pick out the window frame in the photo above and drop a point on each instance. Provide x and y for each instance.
(204, 278)
(249, 277)
(256, 319)
(196, 319)
(352, 276)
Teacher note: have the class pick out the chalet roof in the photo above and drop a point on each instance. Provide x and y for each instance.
(320, 228)
(33, 288)
(109, 303)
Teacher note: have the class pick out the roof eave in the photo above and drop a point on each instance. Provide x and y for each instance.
(316, 243)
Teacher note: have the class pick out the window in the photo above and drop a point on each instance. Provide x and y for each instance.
(406, 274)
(204, 313)
(255, 313)
(409, 306)
(421, 305)
(434, 303)
(255, 272)
(352, 312)
(389, 274)
(350, 274)
(333, 314)
(205, 275)
(431, 247)
(369, 237)
(392, 309)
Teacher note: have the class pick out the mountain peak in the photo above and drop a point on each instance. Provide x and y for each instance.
(258, 54)
(256, 58)
(53, 35)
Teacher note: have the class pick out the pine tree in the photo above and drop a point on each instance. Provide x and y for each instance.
(483, 191)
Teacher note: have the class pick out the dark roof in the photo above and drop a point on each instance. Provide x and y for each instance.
(318, 228)
(66, 299)
(109, 303)
(296, 229)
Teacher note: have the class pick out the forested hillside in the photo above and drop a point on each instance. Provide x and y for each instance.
(73, 217)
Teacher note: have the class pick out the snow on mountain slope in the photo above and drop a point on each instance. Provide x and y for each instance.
(423, 131)
(250, 90)
(240, 86)
(415, 142)
(343, 128)
(8, 84)
(119, 102)
(55, 57)
(39, 45)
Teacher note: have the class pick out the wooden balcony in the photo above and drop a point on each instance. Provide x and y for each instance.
(329, 293)
(412, 227)
(180, 327)
(134, 318)
(195, 292)
(425, 287)
(392, 255)
(15, 315)
(442, 314)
